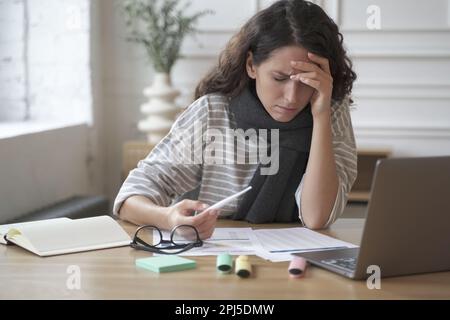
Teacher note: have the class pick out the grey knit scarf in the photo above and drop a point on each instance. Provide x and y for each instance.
(272, 196)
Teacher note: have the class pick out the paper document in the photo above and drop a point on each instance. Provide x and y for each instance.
(278, 244)
(269, 244)
(235, 241)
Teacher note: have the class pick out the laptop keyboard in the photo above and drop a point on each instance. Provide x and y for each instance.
(344, 263)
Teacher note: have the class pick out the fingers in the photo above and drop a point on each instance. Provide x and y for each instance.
(323, 62)
(182, 212)
(206, 226)
(193, 204)
(205, 216)
(313, 75)
(310, 75)
(199, 219)
(305, 66)
(312, 79)
(206, 229)
(194, 220)
(209, 214)
(188, 206)
(320, 64)
(310, 82)
(204, 222)
(202, 217)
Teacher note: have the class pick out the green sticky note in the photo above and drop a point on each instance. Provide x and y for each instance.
(165, 263)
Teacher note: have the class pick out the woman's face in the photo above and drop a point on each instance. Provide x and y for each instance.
(282, 97)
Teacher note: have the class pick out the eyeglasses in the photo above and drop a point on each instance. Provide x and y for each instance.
(182, 238)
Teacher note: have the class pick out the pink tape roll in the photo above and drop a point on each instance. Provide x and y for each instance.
(297, 267)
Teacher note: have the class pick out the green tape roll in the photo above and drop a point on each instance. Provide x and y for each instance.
(224, 263)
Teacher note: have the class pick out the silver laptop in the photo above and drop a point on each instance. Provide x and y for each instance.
(407, 227)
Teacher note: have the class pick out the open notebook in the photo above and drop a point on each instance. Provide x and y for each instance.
(61, 236)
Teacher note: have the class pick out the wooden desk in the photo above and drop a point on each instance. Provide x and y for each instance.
(111, 274)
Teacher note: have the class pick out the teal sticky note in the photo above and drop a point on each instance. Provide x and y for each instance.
(166, 263)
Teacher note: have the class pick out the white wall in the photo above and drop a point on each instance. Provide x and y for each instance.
(403, 90)
(124, 73)
(41, 168)
(63, 154)
(44, 60)
(12, 68)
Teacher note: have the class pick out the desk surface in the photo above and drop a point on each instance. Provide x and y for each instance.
(111, 274)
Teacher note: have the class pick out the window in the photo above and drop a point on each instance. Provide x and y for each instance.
(45, 61)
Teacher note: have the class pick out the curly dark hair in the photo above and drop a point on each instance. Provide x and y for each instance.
(284, 23)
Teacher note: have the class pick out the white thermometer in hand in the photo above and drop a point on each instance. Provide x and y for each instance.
(223, 202)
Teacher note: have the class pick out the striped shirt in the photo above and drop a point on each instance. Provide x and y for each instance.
(163, 178)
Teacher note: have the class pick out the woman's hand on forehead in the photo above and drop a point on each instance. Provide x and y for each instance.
(317, 75)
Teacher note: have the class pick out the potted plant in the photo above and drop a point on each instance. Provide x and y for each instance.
(160, 26)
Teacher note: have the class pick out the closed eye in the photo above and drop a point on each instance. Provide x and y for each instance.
(280, 79)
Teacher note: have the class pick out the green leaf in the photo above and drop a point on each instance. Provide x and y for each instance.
(160, 27)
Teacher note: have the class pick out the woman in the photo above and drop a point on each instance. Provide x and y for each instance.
(286, 71)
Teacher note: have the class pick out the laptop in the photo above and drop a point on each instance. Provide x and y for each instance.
(407, 227)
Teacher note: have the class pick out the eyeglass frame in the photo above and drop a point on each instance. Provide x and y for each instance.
(140, 244)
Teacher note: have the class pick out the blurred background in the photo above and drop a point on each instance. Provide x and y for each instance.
(71, 91)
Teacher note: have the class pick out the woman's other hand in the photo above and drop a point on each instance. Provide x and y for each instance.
(183, 213)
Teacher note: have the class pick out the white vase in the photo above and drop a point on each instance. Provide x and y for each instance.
(160, 108)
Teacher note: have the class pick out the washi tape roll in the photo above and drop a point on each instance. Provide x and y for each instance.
(224, 263)
(243, 267)
(297, 267)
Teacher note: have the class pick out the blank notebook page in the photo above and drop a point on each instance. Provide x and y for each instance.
(75, 234)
